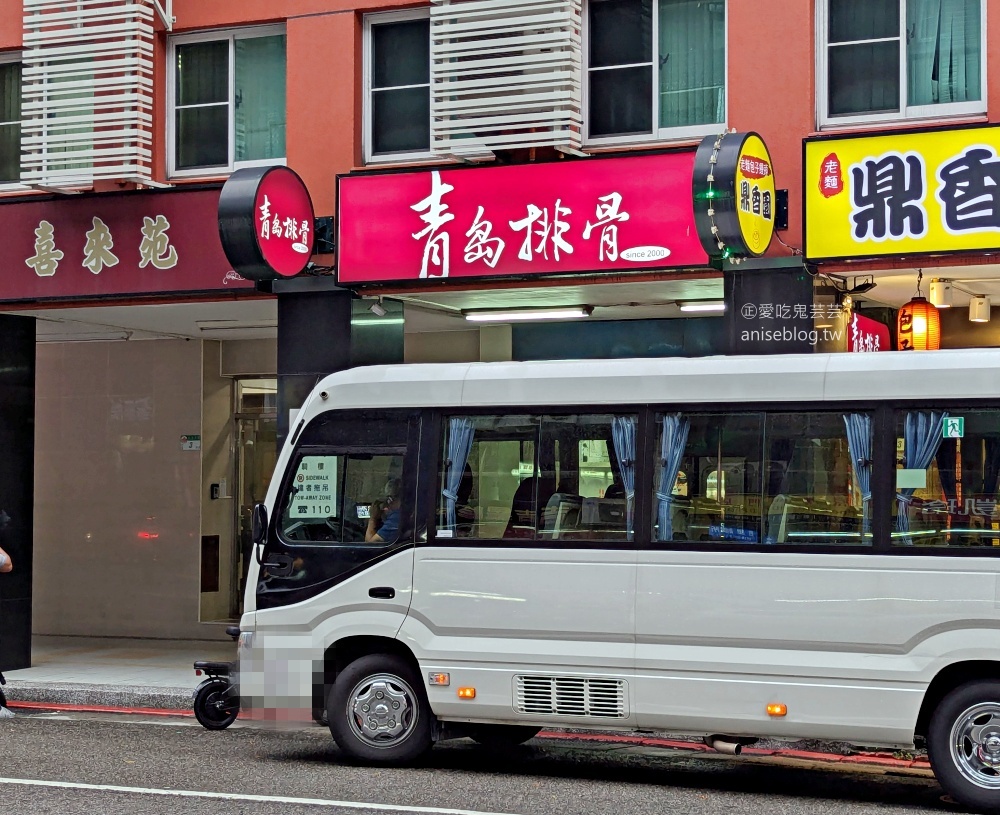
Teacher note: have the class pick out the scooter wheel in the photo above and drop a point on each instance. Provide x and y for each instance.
(212, 705)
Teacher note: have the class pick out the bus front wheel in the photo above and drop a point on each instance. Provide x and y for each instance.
(378, 711)
(963, 744)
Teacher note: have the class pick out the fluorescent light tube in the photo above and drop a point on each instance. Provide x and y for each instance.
(720, 306)
(527, 314)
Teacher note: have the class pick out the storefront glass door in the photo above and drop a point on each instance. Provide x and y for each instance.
(256, 453)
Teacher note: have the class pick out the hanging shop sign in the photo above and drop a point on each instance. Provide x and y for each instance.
(865, 334)
(734, 195)
(598, 215)
(114, 244)
(266, 222)
(903, 194)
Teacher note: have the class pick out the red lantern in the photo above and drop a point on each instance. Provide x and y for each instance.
(918, 327)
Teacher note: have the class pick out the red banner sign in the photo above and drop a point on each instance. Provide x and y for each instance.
(103, 245)
(865, 334)
(597, 215)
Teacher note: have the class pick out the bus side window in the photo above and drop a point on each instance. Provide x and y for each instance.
(819, 469)
(589, 462)
(486, 471)
(947, 477)
(706, 479)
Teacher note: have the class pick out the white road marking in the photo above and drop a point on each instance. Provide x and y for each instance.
(269, 799)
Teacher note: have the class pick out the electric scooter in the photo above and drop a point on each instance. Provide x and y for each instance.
(217, 698)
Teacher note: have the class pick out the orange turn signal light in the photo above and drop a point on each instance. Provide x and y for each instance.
(777, 709)
(439, 679)
(466, 693)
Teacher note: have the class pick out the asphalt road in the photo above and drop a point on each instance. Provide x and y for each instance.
(64, 764)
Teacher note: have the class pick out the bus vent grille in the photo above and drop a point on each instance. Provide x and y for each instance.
(570, 696)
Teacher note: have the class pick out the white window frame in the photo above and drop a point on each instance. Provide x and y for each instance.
(230, 35)
(387, 158)
(658, 134)
(906, 112)
(12, 186)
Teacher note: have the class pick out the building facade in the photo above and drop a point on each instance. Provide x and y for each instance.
(474, 166)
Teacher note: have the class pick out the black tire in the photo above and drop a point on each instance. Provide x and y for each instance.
(213, 706)
(386, 689)
(963, 743)
(503, 735)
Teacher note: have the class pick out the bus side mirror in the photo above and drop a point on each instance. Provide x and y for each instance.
(258, 524)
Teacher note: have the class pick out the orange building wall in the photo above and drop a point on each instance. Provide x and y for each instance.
(771, 90)
(992, 60)
(323, 133)
(10, 25)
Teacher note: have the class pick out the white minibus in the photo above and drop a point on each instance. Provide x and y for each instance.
(789, 547)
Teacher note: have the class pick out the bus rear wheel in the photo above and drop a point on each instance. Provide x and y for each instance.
(963, 744)
(378, 711)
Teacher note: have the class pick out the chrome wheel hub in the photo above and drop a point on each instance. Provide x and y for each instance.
(382, 710)
(975, 745)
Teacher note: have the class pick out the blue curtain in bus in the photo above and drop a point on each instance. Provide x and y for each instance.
(623, 434)
(673, 441)
(460, 433)
(859, 442)
(922, 436)
(946, 459)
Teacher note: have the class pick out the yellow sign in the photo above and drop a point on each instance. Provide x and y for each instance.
(903, 193)
(755, 195)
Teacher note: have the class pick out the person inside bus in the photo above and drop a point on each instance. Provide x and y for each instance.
(383, 517)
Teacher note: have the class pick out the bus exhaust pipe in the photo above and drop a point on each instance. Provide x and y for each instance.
(721, 745)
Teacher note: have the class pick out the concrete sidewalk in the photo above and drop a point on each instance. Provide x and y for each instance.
(122, 673)
(157, 677)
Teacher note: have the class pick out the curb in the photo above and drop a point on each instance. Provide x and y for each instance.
(864, 758)
(53, 695)
(66, 708)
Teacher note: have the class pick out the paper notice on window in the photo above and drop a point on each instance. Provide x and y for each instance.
(314, 488)
(911, 479)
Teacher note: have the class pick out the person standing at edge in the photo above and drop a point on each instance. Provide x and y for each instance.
(6, 565)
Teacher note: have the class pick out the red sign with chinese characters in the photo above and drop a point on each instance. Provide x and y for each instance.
(594, 215)
(284, 215)
(831, 179)
(865, 334)
(114, 244)
(266, 222)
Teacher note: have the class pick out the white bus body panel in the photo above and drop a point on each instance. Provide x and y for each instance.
(279, 670)
(848, 642)
(485, 615)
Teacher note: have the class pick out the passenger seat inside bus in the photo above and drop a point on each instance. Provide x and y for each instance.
(561, 515)
(522, 506)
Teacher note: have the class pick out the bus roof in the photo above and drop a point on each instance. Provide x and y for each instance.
(863, 377)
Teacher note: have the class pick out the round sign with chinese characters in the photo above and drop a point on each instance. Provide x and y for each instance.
(266, 222)
(755, 195)
(734, 195)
